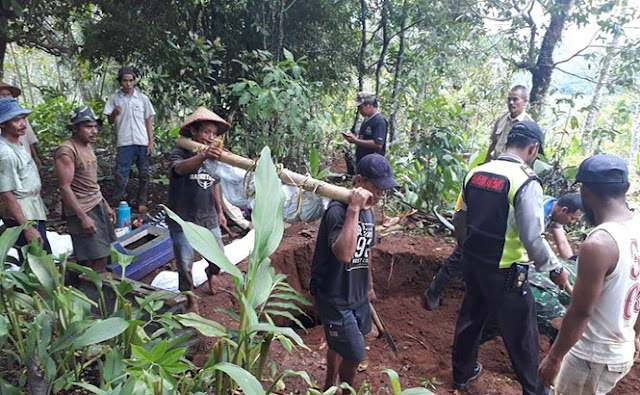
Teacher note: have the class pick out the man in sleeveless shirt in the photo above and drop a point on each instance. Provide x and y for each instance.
(595, 347)
(89, 216)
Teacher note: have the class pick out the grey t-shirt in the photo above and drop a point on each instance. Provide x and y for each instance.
(19, 175)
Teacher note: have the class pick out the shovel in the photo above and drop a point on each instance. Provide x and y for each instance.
(383, 329)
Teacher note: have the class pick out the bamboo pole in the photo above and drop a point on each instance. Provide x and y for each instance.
(286, 176)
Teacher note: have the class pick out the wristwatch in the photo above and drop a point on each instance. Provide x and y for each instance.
(556, 272)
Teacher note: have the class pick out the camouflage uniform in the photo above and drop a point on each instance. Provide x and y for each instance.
(550, 301)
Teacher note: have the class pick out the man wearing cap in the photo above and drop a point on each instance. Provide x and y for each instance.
(504, 233)
(89, 217)
(19, 179)
(341, 281)
(29, 139)
(373, 130)
(132, 113)
(595, 347)
(195, 195)
(516, 103)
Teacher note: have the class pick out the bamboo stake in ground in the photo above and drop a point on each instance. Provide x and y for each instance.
(286, 176)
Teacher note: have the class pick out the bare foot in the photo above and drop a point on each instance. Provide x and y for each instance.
(142, 209)
(192, 303)
(214, 284)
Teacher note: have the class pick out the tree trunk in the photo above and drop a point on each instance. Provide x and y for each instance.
(635, 133)
(603, 81)
(3, 51)
(384, 18)
(397, 74)
(278, 34)
(361, 59)
(541, 72)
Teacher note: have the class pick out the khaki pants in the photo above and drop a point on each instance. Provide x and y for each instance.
(580, 377)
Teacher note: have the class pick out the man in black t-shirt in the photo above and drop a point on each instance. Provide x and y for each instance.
(372, 137)
(341, 270)
(195, 195)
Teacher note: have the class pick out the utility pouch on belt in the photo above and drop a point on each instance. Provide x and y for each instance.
(517, 276)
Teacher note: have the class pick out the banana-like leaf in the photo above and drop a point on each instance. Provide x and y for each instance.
(263, 284)
(416, 391)
(204, 326)
(101, 331)
(45, 271)
(395, 381)
(267, 212)
(205, 243)
(7, 239)
(247, 382)
(288, 332)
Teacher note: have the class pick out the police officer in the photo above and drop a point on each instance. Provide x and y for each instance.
(505, 227)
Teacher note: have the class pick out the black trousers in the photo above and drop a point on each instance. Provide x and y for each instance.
(486, 296)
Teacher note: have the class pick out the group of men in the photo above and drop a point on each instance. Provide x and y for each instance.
(501, 218)
(193, 193)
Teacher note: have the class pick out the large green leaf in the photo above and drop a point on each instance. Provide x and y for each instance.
(101, 331)
(416, 391)
(395, 381)
(247, 382)
(7, 239)
(202, 325)
(267, 212)
(70, 335)
(288, 332)
(203, 241)
(263, 284)
(45, 271)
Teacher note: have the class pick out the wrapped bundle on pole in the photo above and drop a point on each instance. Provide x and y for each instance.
(289, 177)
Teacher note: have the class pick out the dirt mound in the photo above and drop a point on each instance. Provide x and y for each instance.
(403, 266)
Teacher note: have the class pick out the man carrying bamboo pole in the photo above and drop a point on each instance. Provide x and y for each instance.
(341, 270)
(195, 195)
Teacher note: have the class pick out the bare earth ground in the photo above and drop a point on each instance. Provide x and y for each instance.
(403, 266)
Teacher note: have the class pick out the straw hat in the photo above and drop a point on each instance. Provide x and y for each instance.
(15, 92)
(202, 114)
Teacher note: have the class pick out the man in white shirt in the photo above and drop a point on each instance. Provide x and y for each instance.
(595, 347)
(132, 113)
(516, 103)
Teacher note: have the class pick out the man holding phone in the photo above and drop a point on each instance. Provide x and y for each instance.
(372, 138)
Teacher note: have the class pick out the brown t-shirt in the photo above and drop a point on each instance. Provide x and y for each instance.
(85, 180)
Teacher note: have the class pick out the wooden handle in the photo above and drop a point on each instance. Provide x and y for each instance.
(376, 320)
(286, 176)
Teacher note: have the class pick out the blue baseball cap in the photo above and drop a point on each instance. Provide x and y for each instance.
(603, 169)
(376, 168)
(528, 129)
(9, 109)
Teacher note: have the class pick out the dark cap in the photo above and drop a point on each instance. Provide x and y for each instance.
(376, 168)
(364, 98)
(603, 169)
(82, 114)
(126, 70)
(528, 129)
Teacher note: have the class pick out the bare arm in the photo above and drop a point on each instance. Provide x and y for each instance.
(15, 212)
(564, 248)
(370, 144)
(598, 256)
(65, 171)
(148, 123)
(112, 117)
(345, 245)
(492, 147)
(217, 197)
(190, 165)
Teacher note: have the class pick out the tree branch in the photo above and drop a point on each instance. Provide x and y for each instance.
(580, 51)
(577, 76)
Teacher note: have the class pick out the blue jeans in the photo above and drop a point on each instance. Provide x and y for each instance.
(125, 158)
(184, 258)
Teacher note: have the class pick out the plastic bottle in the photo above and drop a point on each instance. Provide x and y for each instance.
(124, 215)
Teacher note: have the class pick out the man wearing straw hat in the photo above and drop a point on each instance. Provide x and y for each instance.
(19, 179)
(341, 280)
(132, 113)
(29, 139)
(89, 216)
(195, 195)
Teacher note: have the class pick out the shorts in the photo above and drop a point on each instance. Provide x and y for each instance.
(87, 247)
(580, 377)
(345, 329)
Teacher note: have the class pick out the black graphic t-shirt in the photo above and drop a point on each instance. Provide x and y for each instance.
(191, 195)
(374, 128)
(344, 286)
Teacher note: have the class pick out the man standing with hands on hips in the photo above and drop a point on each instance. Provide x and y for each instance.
(132, 113)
